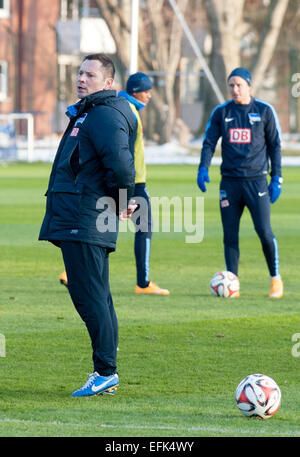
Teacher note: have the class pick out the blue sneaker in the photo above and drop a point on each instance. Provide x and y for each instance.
(98, 385)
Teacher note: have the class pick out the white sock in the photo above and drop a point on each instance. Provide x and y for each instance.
(275, 277)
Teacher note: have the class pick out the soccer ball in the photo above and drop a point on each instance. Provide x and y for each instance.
(224, 284)
(258, 395)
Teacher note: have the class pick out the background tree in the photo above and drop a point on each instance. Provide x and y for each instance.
(231, 23)
(228, 28)
(291, 47)
(160, 38)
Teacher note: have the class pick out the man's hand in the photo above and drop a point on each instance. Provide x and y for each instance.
(202, 178)
(128, 212)
(275, 188)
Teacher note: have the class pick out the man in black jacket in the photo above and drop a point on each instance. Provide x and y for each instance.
(90, 186)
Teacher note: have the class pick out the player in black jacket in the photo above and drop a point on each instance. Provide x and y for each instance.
(92, 166)
(251, 141)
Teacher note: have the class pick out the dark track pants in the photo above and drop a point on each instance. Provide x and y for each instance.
(88, 283)
(234, 196)
(143, 235)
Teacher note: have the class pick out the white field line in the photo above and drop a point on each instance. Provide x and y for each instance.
(221, 431)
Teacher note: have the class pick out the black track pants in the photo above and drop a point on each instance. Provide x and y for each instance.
(234, 196)
(88, 283)
(143, 234)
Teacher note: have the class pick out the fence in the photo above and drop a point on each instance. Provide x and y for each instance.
(16, 131)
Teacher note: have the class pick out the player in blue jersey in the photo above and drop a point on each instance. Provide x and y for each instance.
(251, 143)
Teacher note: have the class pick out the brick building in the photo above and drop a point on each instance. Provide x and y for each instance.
(28, 61)
(41, 46)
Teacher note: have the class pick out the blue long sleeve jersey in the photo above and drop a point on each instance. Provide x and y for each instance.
(251, 139)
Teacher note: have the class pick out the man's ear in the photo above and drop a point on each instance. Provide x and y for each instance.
(108, 84)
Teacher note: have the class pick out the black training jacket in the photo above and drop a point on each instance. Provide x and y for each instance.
(93, 162)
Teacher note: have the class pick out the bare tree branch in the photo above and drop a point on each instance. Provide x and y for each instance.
(268, 41)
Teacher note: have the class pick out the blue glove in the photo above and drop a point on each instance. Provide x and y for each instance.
(202, 178)
(275, 188)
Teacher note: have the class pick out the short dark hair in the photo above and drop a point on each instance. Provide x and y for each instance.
(105, 60)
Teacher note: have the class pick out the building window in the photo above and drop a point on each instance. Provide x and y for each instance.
(77, 9)
(4, 8)
(3, 80)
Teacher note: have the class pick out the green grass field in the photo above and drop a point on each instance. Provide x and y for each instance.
(177, 374)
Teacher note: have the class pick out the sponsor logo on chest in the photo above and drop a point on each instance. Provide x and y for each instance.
(79, 121)
(238, 135)
(254, 117)
(74, 131)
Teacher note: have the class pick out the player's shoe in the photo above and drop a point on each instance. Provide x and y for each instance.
(63, 279)
(98, 385)
(276, 288)
(152, 288)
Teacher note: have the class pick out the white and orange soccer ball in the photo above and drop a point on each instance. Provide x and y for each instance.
(225, 284)
(258, 395)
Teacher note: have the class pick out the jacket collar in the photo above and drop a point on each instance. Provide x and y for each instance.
(87, 102)
(139, 105)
